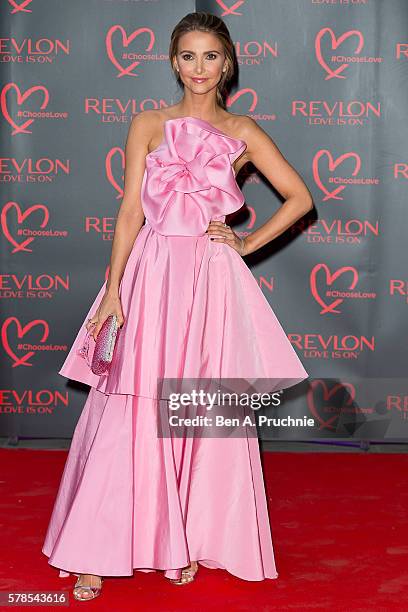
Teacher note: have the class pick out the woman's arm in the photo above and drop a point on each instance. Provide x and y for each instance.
(130, 217)
(129, 221)
(265, 155)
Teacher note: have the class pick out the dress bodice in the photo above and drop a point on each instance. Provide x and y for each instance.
(189, 178)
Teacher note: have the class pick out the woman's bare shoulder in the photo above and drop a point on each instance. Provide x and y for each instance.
(144, 126)
(241, 126)
(147, 118)
(245, 126)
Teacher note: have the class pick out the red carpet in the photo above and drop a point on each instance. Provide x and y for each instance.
(339, 525)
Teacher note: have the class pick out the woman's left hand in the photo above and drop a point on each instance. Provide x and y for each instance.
(221, 232)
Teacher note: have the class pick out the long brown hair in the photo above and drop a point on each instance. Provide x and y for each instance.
(206, 22)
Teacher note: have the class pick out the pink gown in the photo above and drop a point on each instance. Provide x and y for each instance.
(128, 498)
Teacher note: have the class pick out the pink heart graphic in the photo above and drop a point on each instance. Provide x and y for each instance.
(230, 10)
(243, 92)
(330, 279)
(20, 100)
(336, 42)
(116, 151)
(21, 216)
(21, 331)
(252, 217)
(332, 195)
(18, 8)
(126, 40)
(314, 385)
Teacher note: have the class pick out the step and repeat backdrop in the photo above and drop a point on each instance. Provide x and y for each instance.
(327, 79)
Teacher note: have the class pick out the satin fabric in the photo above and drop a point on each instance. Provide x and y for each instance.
(192, 306)
(128, 499)
(189, 179)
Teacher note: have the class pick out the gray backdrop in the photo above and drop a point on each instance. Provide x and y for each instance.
(327, 81)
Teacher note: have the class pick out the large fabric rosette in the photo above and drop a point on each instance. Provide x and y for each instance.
(189, 178)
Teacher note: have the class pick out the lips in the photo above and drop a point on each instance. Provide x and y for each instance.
(198, 80)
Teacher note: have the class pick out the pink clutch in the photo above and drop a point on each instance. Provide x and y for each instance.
(104, 346)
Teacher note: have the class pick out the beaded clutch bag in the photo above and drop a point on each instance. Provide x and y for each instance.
(104, 346)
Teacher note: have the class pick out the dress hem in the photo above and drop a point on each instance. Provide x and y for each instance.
(63, 573)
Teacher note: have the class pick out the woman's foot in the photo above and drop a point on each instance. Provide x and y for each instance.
(187, 574)
(88, 586)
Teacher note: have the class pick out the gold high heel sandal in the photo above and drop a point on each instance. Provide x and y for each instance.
(187, 575)
(95, 590)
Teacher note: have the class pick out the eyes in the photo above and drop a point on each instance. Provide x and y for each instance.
(186, 56)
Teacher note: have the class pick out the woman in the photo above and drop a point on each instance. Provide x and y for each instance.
(188, 306)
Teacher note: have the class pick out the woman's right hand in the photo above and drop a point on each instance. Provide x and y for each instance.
(110, 305)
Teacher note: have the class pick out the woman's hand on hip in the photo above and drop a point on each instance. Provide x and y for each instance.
(221, 232)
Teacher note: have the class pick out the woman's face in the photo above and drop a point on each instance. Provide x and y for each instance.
(200, 60)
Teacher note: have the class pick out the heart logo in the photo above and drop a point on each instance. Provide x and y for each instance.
(334, 410)
(113, 153)
(330, 279)
(230, 10)
(21, 98)
(248, 91)
(21, 216)
(126, 40)
(336, 42)
(333, 195)
(21, 332)
(252, 217)
(19, 8)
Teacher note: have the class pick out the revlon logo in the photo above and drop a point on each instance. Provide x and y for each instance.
(41, 286)
(40, 49)
(268, 284)
(401, 171)
(320, 112)
(401, 51)
(43, 401)
(29, 170)
(399, 287)
(337, 231)
(251, 51)
(317, 346)
(102, 226)
(114, 110)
